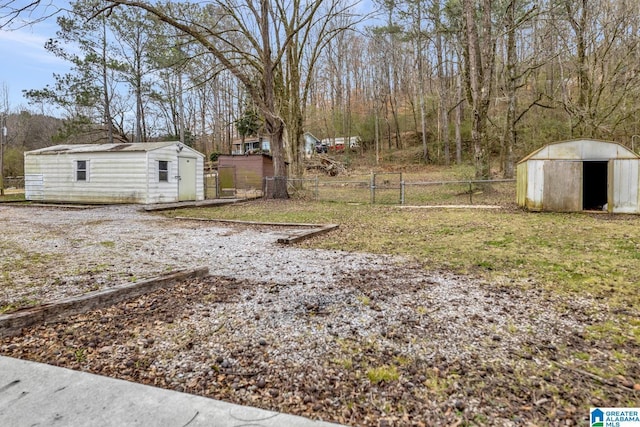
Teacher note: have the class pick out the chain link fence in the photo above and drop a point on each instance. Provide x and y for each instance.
(390, 188)
(13, 182)
(211, 189)
(500, 192)
(376, 188)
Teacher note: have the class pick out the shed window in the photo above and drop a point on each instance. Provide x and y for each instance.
(163, 171)
(82, 167)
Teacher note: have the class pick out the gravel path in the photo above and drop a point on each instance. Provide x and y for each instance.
(352, 338)
(49, 253)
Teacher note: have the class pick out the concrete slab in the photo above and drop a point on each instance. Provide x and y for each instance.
(36, 394)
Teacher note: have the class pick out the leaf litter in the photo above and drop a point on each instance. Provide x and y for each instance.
(354, 339)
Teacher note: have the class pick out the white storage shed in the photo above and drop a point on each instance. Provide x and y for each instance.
(158, 172)
(581, 174)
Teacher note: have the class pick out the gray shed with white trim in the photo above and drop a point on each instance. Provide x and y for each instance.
(158, 172)
(581, 174)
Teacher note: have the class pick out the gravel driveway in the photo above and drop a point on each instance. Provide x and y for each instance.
(48, 253)
(352, 338)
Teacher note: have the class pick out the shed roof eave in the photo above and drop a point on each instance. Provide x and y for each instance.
(533, 155)
(106, 148)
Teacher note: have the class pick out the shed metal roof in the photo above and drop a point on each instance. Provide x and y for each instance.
(581, 149)
(103, 148)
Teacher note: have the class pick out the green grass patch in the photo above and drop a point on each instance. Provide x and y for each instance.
(12, 197)
(15, 260)
(569, 253)
(22, 303)
(382, 373)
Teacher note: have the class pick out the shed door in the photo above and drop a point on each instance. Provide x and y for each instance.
(186, 179)
(562, 186)
(624, 191)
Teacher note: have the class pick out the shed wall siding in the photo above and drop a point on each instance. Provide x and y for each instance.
(33, 179)
(124, 176)
(162, 192)
(267, 168)
(249, 170)
(111, 177)
(625, 189)
(200, 178)
(33, 187)
(535, 184)
(521, 184)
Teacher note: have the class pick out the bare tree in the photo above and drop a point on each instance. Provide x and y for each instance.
(479, 55)
(443, 113)
(418, 36)
(517, 71)
(17, 13)
(272, 33)
(88, 93)
(600, 70)
(4, 113)
(328, 21)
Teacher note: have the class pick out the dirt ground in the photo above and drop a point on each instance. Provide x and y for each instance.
(381, 344)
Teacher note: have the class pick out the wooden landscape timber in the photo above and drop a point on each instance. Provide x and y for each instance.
(13, 323)
(293, 237)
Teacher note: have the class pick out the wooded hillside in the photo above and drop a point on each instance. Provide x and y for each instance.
(477, 81)
(26, 132)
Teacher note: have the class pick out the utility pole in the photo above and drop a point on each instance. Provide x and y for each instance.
(3, 138)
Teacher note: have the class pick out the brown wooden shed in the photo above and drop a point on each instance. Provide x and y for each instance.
(248, 170)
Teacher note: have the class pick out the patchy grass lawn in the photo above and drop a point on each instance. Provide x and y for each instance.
(593, 255)
(12, 196)
(550, 329)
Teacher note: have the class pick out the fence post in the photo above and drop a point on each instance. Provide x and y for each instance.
(373, 188)
(317, 189)
(470, 193)
(401, 191)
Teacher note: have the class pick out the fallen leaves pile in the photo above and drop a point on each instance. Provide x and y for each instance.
(383, 347)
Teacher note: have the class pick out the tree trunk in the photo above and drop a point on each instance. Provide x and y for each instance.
(423, 114)
(579, 127)
(509, 138)
(458, 124)
(140, 128)
(273, 124)
(442, 88)
(295, 116)
(277, 188)
(105, 85)
(480, 54)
